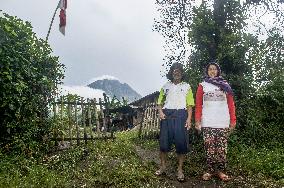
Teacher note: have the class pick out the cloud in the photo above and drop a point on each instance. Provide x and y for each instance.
(83, 91)
(103, 37)
(104, 77)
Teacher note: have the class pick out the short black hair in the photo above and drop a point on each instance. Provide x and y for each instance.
(173, 67)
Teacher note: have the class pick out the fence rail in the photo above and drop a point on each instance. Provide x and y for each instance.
(79, 119)
(149, 126)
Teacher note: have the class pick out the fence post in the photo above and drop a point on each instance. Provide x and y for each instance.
(55, 130)
(61, 118)
(96, 114)
(83, 119)
(141, 123)
(69, 120)
(157, 119)
(89, 117)
(145, 121)
(152, 120)
(106, 100)
(76, 122)
(102, 115)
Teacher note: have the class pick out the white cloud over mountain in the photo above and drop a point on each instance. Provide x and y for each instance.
(104, 77)
(83, 91)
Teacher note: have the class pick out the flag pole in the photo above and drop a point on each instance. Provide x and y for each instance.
(57, 7)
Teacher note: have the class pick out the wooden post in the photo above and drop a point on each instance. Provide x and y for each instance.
(83, 119)
(55, 130)
(145, 121)
(96, 114)
(157, 119)
(102, 115)
(106, 101)
(153, 130)
(76, 123)
(61, 118)
(141, 123)
(69, 121)
(150, 125)
(89, 118)
(107, 105)
(150, 122)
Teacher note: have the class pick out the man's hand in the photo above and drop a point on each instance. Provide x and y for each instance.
(188, 123)
(162, 115)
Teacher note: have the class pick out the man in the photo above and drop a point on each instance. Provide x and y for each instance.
(175, 111)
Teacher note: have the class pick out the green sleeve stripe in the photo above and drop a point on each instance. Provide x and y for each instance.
(162, 97)
(189, 98)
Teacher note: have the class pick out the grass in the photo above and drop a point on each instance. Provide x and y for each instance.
(251, 161)
(260, 166)
(111, 163)
(114, 163)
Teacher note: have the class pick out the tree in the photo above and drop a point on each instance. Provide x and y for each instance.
(218, 30)
(29, 76)
(172, 23)
(217, 34)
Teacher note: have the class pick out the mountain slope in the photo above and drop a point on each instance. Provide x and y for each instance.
(114, 87)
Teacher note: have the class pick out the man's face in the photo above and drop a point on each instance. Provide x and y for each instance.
(177, 74)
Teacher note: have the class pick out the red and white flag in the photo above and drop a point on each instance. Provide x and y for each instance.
(63, 6)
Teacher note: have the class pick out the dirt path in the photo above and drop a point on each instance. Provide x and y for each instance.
(150, 156)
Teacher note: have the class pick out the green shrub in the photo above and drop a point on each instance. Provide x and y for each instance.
(29, 75)
(251, 161)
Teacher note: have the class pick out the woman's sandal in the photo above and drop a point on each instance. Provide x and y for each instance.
(180, 176)
(160, 172)
(207, 176)
(223, 176)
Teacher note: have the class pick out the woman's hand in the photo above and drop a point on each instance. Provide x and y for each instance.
(188, 123)
(232, 127)
(162, 115)
(198, 126)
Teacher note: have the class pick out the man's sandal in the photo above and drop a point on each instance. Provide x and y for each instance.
(160, 172)
(207, 176)
(223, 176)
(180, 176)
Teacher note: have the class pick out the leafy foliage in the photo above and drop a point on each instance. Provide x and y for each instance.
(106, 164)
(29, 76)
(111, 163)
(217, 35)
(266, 109)
(172, 23)
(114, 102)
(258, 167)
(219, 30)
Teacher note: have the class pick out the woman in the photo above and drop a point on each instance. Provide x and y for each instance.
(175, 111)
(215, 115)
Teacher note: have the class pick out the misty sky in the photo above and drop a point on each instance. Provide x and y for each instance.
(103, 37)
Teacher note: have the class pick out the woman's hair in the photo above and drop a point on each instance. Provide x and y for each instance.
(217, 66)
(173, 67)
